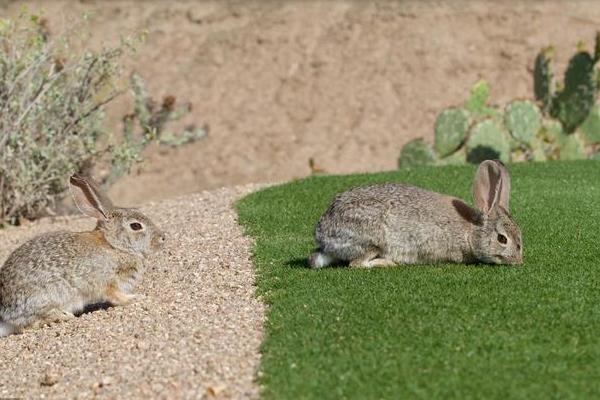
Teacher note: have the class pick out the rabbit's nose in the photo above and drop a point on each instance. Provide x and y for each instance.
(159, 240)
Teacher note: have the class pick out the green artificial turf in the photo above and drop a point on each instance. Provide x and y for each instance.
(434, 332)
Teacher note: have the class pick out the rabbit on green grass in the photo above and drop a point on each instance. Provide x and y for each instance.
(395, 223)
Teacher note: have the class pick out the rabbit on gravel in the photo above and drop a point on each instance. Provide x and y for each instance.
(395, 223)
(54, 275)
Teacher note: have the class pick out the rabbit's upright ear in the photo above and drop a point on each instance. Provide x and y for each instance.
(89, 198)
(491, 187)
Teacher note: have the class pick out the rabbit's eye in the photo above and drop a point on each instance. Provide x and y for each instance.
(502, 239)
(136, 226)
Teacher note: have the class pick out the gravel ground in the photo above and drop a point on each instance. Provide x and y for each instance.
(195, 334)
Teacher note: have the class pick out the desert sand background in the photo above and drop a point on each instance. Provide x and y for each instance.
(344, 82)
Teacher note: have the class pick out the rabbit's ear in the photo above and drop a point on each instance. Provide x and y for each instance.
(491, 187)
(504, 196)
(89, 198)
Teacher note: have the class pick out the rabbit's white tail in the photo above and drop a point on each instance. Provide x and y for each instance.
(6, 329)
(319, 259)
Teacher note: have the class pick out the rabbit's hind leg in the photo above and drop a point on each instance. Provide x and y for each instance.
(7, 329)
(364, 259)
(372, 258)
(57, 315)
(381, 262)
(51, 316)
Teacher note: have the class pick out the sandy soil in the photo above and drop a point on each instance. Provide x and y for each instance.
(196, 333)
(345, 82)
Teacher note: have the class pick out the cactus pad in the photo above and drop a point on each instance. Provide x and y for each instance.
(477, 102)
(451, 128)
(597, 47)
(573, 103)
(543, 85)
(416, 153)
(591, 127)
(572, 148)
(514, 143)
(523, 120)
(488, 141)
(539, 150)
(519, 155)
(552, 135)
(456, 158)
(553, 131)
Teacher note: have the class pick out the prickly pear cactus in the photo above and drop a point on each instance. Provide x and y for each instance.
(451, 128)
(488, 141)
(523, 120)
(591, 127)
(477, 103)
(597, 47)
(480, 93)
(573, 103)
(514, 144)
(416, 153)
(572, 148)
(543, 78)
(519, 155)
(456, 158)
(552, 131)
(551, 135)
(539, 150)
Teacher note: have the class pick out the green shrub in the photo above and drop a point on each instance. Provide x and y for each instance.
(52, 98)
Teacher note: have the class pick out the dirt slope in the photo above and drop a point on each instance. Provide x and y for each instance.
(345, 82)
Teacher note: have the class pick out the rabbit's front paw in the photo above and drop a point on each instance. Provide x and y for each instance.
(117, 297)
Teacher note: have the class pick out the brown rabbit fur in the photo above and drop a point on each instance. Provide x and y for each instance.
(55, 275)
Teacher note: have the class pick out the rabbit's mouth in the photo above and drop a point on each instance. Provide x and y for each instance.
(158, 242)
(515, 260)
(502, 259)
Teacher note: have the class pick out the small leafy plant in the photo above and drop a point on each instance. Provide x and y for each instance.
(52, 98)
